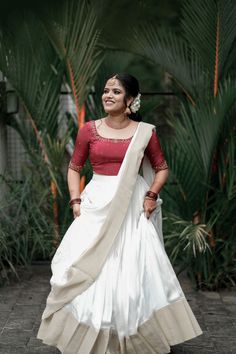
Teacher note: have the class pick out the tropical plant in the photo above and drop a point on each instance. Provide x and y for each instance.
(198, 59)
(201, 198)
(200, 201)
(39, 53)
(26, 220)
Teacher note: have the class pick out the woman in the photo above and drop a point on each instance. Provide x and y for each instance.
(113, 287)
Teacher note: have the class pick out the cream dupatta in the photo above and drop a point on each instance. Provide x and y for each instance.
(84, 271)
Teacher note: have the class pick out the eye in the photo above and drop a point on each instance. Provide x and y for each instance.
(117, 92)
(105, 91)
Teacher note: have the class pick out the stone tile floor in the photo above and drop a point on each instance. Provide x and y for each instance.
(22, 303)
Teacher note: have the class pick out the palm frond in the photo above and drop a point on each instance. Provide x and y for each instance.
(29, 62)
(215, 36)
(191, 238)
(191, 151)
(174, 54)
(74, 34)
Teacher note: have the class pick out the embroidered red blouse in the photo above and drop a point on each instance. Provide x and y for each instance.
(106, 154)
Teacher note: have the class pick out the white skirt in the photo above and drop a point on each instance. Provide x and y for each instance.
(136, 304)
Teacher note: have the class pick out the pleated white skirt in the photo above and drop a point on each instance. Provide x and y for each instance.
(137, 280)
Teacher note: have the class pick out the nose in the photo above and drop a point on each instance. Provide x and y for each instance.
(109, 94)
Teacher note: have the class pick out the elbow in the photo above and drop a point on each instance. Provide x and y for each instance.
(165, 174)
(162, 175)
(71, 174)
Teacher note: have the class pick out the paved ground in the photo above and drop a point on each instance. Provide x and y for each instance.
(21, 306)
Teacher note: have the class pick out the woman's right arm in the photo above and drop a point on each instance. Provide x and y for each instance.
(73, 180)
(79, 156)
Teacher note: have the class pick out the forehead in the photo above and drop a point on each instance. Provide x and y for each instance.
(113, 83)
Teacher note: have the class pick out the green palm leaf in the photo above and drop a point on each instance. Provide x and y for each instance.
(30, 63)
(74, 33)
(165, 48)
(191, 152)
(203, 54)
(204, 16)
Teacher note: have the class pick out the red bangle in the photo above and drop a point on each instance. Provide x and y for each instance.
(75, 201)
(151, 195)
(149, 198)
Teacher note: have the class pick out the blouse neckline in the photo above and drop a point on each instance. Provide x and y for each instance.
(100, 137)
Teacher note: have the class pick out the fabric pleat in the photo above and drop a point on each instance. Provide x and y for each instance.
(136, 305)
(155, 335)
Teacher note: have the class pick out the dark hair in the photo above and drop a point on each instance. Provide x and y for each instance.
(131, 86)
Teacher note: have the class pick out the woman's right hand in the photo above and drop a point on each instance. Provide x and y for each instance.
(76, 210)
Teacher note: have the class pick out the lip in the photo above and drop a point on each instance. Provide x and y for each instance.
(109, 101)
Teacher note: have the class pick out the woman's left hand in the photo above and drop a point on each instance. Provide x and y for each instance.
(149, 205)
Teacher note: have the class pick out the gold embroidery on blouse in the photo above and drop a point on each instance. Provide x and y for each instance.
(99, 137)
(75, 167)
(161, 166)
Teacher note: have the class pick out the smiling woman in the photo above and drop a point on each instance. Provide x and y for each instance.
(113, 287)
(122, 90)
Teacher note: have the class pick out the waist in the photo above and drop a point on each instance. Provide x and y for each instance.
(102, 177)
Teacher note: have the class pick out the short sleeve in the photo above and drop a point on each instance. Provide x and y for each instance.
(81, 150)
(155, 153)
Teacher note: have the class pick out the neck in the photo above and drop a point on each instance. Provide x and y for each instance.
(117, 120)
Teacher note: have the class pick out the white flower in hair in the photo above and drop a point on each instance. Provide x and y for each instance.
(134, 107)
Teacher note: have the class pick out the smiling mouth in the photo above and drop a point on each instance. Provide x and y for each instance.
(108, 101)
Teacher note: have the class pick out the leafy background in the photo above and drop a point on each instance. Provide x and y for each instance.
(187, 80)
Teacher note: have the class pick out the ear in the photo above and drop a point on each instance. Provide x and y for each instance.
(129, 101)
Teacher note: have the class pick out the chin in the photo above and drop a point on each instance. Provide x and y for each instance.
(110, 110)
(113, 111)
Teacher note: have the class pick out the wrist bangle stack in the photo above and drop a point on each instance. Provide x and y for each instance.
(74, 201)
(151, 195)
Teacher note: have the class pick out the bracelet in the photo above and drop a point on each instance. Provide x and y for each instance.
(149, 198)
(75, 201)
(151, 195)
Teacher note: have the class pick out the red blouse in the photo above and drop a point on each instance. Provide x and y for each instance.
(106, 154)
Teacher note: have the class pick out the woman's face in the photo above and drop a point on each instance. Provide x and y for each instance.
(113, 98)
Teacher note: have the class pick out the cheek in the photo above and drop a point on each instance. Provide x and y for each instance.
(121, 100)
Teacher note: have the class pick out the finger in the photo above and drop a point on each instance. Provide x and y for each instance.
(150, 210)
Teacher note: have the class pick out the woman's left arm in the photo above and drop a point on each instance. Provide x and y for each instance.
(159, 164)
(159, 180)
